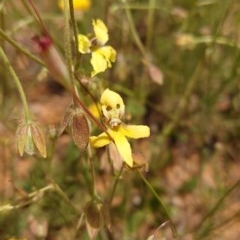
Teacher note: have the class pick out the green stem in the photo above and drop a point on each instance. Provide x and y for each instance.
(134, 31)
(150, 22)
(18, 84)
(20, 48)
(219, 40)
(218, 204)
(93, 181)
(67, 43)
(75, 31)
(26, 200)
(167, 130)
(114, 187)
(65, 197)
(174, 231)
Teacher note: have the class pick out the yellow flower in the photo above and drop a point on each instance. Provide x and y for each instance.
(100, 31)
(95, 110)
(113, 110)
(81, 5)
(102, 56)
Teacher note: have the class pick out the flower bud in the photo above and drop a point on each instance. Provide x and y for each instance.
(51, 57)
(30, 139)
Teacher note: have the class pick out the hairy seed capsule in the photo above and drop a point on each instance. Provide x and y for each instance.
(80, 130)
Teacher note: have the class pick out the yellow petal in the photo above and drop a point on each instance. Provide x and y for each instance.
(123, 146)
(102, 58)
(81, 4)
(98, 62)
(77, 4)
(109, 54)
(112, 105)
(83, 44)
(100, 141)
(100, 30)
(135, 131)
(94, 108)
(111, 98)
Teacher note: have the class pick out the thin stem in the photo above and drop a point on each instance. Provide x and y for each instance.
(38, 17)
(75, 31)
(67, 43)
(174, 231)
(26, 200)
(18, 84)
(218, 204)
(20, 48)
(93, 191)
(79, 224)
(134, 31)
(150, 22)
(167, 130)
(65, 197)
(34, 196)
(219, 40)
(114, 187)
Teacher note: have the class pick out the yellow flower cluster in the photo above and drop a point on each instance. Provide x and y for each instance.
(102, 55)
(113, 110)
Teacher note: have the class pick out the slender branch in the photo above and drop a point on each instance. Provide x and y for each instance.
(18, 84)
(134, 31)
(114, 187)
(93, 180)
(67, 42)
(29, 198)
(38, 17)
(218, 204)
(150, 22)
(75, 30)
(34, 196)
(218, 40)
(174, 231)
(20, 48)
(65, 197)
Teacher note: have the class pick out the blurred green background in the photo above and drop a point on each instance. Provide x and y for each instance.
(177, 70)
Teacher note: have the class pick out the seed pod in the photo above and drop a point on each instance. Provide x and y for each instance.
(22, 137)
(77, 123)
(93, 218)
(39, 139)
(30, 138)
(65, 120)
(80, 130)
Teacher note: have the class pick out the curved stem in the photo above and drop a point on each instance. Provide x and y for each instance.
(134, 31)
(18, 84)
(218, 204)
(65, 197)
(174, 231)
